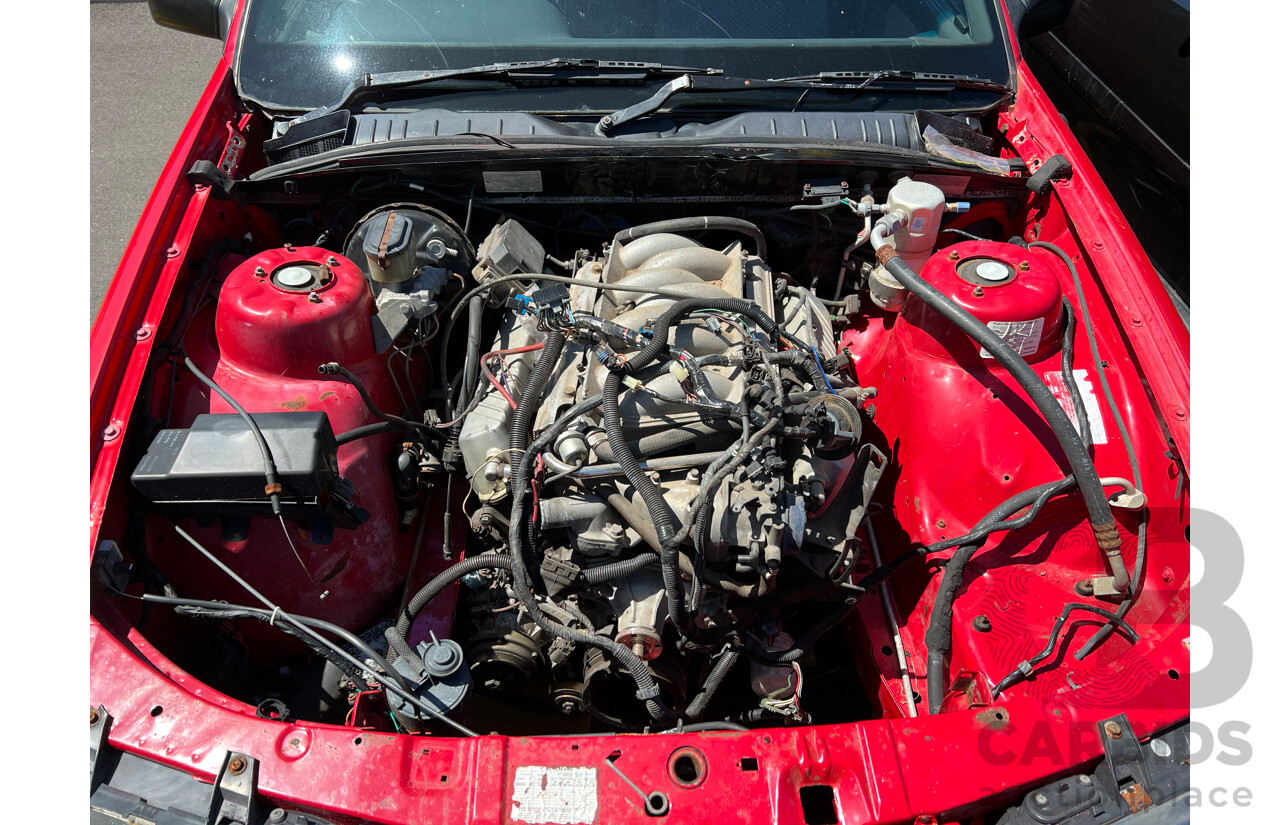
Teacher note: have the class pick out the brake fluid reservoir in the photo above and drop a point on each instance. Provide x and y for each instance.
(921, 205)
(1016, 292)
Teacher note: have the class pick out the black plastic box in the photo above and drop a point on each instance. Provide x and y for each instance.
(218, 459)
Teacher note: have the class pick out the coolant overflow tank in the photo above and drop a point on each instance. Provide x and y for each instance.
(1016, 292)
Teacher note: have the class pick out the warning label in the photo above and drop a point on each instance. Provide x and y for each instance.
(566, 796)
(1022, 336)
(1097, 425)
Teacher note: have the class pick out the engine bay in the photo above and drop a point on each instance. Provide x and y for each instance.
(549, 466)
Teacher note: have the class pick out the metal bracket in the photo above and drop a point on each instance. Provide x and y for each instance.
(1127, 763)
(233, 801)
(230, 161)
(828, 191)
(99, 726)
(1150, 783)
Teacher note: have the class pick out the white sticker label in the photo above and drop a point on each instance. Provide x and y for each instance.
(917, 224)
(1097, 424)
(1022, 336)
(497, 183)
(566, 796)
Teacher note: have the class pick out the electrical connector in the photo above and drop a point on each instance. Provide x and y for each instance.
(551, 297)
(522, 304)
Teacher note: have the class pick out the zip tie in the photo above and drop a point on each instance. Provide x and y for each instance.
(274, 613)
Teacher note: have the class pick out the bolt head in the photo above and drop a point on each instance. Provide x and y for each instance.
(332, 261)
(1086, 780)
(1113, 730)
(1023, 266)
(236, 765)
(94, 717)
(277, 815)
(1041, 799)
(953, 255)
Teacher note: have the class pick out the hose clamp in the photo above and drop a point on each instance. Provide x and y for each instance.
(646, 695)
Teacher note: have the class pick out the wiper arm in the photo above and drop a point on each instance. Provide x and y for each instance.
(914, 81)
(531, 72)
(898, 80)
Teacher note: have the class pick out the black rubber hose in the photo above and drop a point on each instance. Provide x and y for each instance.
(659, 512)
(938, 637)
(433, 588)
(268, 461)
(522, 419)
(639, 522)
(377, 428)
(227, 614)
(993, 521)
(662, 326)
(1069, 375)
(1033, 499)
(207, 608)
(471, 364)
(398, 648)
(616, 570)
(671, 438)
(714, 679)
(1140, 554)
(1025, 668)
(697, 224)
(334, 368)
(1095, 497)
(802, 360)
(470, 374)
(646, 688)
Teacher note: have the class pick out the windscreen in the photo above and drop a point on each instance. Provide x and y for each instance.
(299, 54)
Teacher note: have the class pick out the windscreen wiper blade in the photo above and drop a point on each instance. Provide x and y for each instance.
(916, 81)
(841, 82)
(528, 72)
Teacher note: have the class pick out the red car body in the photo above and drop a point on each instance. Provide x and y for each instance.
(943, 768)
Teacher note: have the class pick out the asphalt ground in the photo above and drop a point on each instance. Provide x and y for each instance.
(144, 82)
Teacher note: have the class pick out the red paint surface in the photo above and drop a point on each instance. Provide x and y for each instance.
(887, 770)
